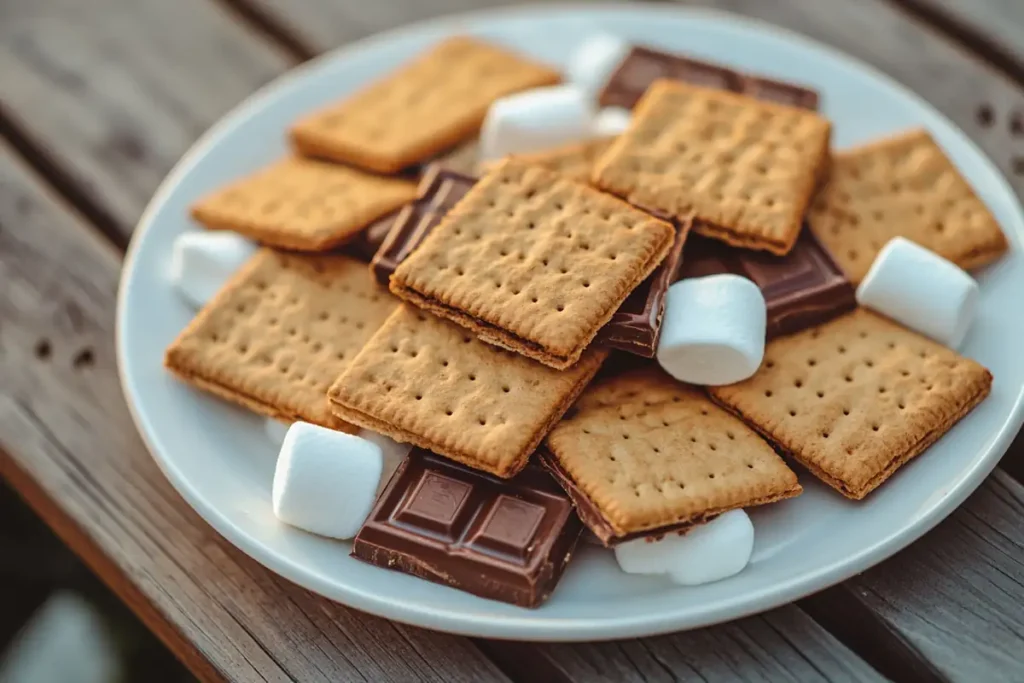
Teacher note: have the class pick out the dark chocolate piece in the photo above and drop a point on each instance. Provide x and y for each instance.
(642, 66)
(636, 326)
(802, 289)
(439, 190)
(591, 515)
(366, 244)
(504, 539)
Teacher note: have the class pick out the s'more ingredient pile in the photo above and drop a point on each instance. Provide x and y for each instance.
(602, 305)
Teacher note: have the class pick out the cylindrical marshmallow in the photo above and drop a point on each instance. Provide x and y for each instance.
(202, 262)
(534, 120)
(326, 481)
(713, 330)
(709, 552)
(612, 121)
(594, 61)
(393, 452)
(275, 430)
(921, 290)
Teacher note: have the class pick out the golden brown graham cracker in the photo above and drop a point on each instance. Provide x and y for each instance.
(856, 398)
(279, 333)
(427, 106)
(302, 204)
(902, 186)
(533, 262)
(650, 453)
(746, 169)
(426, 381)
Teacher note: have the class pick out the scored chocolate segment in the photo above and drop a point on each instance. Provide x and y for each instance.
(439, 190)
(636, 326)
(642, 66)
(801, 289)
(504, 539)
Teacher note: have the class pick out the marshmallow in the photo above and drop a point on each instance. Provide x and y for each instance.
(612, 121)
(326, 481)
(534, 120)
(920, 290)
(394, 453)
(706, 553)
(713, 330)
(594, 60)
(275, 430)
(201, 262)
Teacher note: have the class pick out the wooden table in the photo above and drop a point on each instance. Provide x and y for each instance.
(98, 99)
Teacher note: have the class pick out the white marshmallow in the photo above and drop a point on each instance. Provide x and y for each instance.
(275, 430)
(921, 290)
(706, 553)
(594, 61)
(713, 330)
(536, 119)
(201, 262)
(612, 121)
(326, 481)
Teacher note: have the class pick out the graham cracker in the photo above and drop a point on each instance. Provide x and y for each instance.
(746, 169)
(902, 186)
(428, 382)
(574, 161)
(648, 454)
(302, 204)
(856, 398)
(533, 262)
(425, 107)
(280, 331)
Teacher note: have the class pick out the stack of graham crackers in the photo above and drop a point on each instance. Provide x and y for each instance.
(490, 304)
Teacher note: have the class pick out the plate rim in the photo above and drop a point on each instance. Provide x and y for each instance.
(529, 625)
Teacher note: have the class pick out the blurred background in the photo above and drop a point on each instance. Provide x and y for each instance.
(58, 623)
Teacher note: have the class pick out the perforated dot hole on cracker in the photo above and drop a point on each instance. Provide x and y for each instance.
(429, 382)
(641, 454)
(280, 331)
(903, 186)
(533, 262)
(302, 204)
(746, 169)
(854, 399)
(427, 106)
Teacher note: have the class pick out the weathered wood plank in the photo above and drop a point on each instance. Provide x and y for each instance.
(69, 447)
(952, 604)
(782, 645)
(114, 91)
(323, 24)
(993, 27)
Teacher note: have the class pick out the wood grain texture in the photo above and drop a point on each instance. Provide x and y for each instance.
(995, 28)
(114, 91)
(69, 447)
(782, 645)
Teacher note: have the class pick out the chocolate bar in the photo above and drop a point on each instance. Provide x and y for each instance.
(366, 244)
(591, 517)
(635, 327)
(642, 66)
(504, 539)
(439, 190)
(802, 289)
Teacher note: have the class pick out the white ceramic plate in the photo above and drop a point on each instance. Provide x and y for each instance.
(219, 460)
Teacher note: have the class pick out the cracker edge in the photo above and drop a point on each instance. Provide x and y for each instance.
(347, 413)
(892, 466)
(497, 336)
